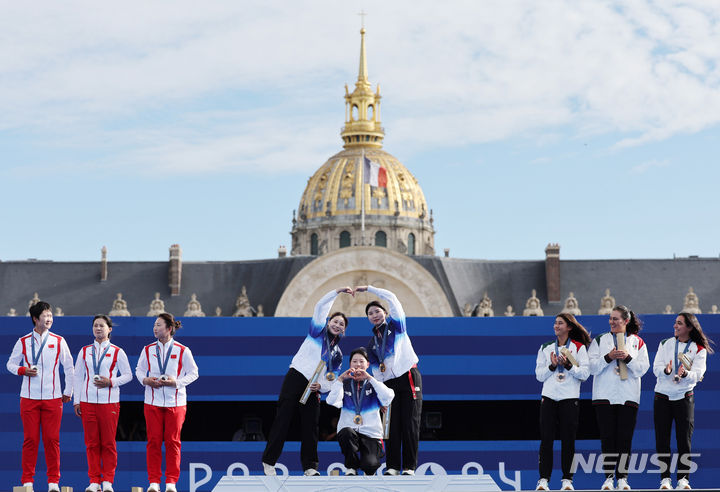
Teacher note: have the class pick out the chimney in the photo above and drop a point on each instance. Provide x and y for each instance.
(552, 272)
(175, 273)
(447, 252)
(282, 252)
(103, 264)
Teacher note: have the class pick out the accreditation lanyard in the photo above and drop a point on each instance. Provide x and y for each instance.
(675, 360)
(358, 393)
(617, 361)
(327, 352)
(36, 358)
(163, 365)
(557, 352)
(381, 354)
(98, 362)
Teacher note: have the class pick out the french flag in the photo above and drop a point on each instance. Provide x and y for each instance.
(375, 174)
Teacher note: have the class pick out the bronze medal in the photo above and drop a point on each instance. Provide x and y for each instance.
(560, 376)
(382, 367)
(330, 376)
(358, 419)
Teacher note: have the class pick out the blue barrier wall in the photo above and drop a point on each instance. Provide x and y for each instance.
(245, 359)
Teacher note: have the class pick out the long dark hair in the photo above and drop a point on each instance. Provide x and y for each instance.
(696, 332)
(577, 331)
(170, 322)
(634, 324)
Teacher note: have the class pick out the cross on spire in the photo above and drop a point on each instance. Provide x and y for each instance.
(362, 15)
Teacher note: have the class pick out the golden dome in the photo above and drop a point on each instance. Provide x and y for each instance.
(333, 189)
(338, 209)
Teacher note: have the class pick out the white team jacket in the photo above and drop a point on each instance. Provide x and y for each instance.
(666, 382)
(46, 385)
(181, 366)
(114, 360)
(607, 384)
(570, 386)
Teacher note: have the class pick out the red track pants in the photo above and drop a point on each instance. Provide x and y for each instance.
(100, 421)
(163, 424)
(37, 414)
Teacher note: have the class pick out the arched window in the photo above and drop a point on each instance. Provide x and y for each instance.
(381, 239)
(344, 239)
(354, 113)
(371, 111)
(314, 245)
(411, 244)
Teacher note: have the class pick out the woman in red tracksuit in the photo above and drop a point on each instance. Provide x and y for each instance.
(97, 401)
(165, 368)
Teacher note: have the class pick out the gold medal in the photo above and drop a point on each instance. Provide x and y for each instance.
(330, 376)
(358, 419)
(382, 367)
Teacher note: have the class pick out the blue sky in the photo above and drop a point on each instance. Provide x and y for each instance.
(139, 125)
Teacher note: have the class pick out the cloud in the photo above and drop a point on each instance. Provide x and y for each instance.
(451, 74)
(649, 165)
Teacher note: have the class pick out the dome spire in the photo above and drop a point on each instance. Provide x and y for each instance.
(362, 107)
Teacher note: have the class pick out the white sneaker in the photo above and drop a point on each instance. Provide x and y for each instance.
(623, 484)
(93, 487)
(350, 472)
(153, 487)
(391, 471)
(53, 487)
(107, 487)
(170, 487)
(665, 484)
(542, 484)
(408, 472)
(683, 484)
(311, 472)
(608, 484)
(28, 484)
(269, 470)
(567, 484)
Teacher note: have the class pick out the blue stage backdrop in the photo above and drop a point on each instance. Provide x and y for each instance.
(244, 359)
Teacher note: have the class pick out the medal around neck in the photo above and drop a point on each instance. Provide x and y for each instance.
(358, 419)
(330, 376)
(164, 377)
(33, 367)
(560, 376)
(382, 367)
(96, 377)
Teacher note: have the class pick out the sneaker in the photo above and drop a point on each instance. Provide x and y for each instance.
(566, 484)
(350, 472)
(107, 487)
(542, 484)
(93, 487)
(269, 470)
(311, 472)
(665, 484)
(623, 484)
(153, 487)
(391, 472)
(28, 484)
(53, 487)
(683, 484)
(608, 484)
(170, 487)
(408, 472)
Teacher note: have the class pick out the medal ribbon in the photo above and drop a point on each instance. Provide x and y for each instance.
(326, 351)
(617, 362)
(381, 355)
(97, 363)
(162, 365)
(561, 369)
(358, 399)
(676, 361)
(35, 358)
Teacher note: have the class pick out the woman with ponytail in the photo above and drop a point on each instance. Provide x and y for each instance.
(678, 366)
(165, 368)
(618, 359)
(562, 364)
